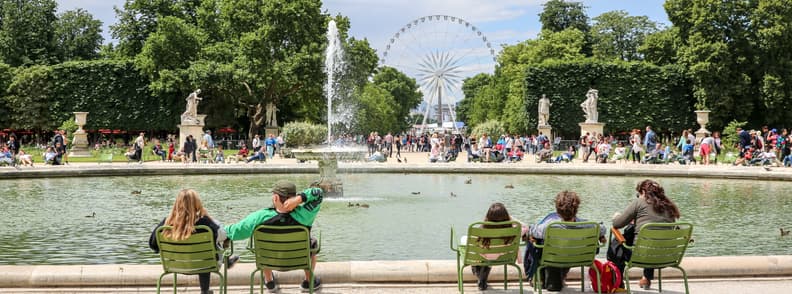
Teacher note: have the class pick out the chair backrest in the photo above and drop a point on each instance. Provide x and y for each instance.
(196, 254)
(281, 248)
(661, 244)
(570, 244)
(504, 243)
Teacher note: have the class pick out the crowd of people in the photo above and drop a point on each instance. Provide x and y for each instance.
(755, 147)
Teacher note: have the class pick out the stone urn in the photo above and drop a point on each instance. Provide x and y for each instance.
(80, 139)
(702, 118)
(80, 118)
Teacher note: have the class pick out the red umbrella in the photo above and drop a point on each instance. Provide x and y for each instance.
(105, 131)
(226, 130)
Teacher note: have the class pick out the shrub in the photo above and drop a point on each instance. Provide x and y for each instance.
(493, 128)
(303, 133)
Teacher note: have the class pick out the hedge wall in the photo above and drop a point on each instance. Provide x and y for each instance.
(114, 92)
(631, 95)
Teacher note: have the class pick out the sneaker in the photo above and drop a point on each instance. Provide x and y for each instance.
(232, 260)
(317, 283)
(482, 285)
(272, 286)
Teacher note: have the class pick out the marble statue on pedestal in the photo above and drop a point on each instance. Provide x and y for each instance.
(544, 111)
(190, 115)
(590, 106)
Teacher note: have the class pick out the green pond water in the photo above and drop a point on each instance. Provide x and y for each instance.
(44, 220)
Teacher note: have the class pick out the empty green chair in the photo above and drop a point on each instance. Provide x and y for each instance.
(659, 245)
(566, 245)
(192, 256)
(282, 248)
(503, 249)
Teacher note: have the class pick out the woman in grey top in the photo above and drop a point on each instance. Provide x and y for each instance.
(650, 206)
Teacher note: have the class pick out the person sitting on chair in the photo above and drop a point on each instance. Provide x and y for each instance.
(566, 208)
(496, 213)
(242, 153)
(24, 158)
(158, 151)
(6, 157)
(49, 156)
(188, 212)
(288, 208)
(603, 151)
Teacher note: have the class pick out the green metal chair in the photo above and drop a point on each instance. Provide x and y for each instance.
(566, 245)
(282, 248)
(192, 256)
(504, 243)
(659, 245)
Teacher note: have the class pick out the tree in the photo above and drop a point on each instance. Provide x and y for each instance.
(617, 35)
(376, 111)
(168, 53)
(27, 32)
(31, 91)
(404, 92)
(661, 47)
(718, 52)
(139, 18)
(560, 15)
(78, 35)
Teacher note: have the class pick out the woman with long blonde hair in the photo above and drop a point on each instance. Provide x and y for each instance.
(187, 213)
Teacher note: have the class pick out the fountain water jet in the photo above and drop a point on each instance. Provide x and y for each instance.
(328, 157)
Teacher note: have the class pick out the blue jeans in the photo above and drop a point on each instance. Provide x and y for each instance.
(257, 156)
(270, 151)
(788, 160)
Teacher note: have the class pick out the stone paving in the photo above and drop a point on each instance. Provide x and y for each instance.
(720, 286)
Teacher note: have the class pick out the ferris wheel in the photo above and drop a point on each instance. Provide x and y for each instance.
(440, 51)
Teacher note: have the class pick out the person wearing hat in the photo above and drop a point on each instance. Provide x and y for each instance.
(289, 208)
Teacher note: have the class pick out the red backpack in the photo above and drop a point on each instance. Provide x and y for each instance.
(610, 276)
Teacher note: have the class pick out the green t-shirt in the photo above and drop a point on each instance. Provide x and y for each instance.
(305, 214)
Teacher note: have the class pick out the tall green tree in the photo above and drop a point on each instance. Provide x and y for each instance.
(617, 35)
(137, 19)
(376, 111)
(79, 35)
(560, 15)
(661, 47)
(27, 32)
(403, 90)
(719, 54)
(772, 20)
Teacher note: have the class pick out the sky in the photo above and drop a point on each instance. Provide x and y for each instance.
(501, 22)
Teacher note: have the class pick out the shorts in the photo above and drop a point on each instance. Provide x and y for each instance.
(705, 149)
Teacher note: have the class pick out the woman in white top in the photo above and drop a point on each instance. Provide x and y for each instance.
(636, 145)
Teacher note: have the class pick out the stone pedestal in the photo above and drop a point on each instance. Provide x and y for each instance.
(194, 128)
(547, 131)
(270, 130)
(80, 146)
(591, 128)
(702, 118)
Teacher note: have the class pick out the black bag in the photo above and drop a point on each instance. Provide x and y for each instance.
(616, 251)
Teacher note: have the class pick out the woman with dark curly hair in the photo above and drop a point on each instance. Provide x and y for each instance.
(650, 206)
(566, 208)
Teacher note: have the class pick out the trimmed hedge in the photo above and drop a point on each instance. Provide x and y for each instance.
(114, 92)
(631, 95)
(297, 134)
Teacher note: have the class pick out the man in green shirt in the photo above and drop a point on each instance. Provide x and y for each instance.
(289, 208)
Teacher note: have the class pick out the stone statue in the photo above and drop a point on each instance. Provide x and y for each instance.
(590, 106)
(544, 111)
(191, 113)
(271, 117)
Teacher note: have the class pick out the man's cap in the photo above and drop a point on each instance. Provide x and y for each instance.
(284, 188)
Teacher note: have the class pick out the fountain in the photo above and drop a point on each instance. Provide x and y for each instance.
(328, 156)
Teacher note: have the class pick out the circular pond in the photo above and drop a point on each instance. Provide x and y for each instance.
(45, 220)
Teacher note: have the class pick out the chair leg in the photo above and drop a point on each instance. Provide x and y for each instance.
(311, 282)
(538, 279)
(460, 277)
(582, 280)
(159, 282)
(599, 279)
(519, 277)
(505, 277)
(659, 280)
(174, 282)
(253, 281)
(626, 276)
(684, 278)
(263, 280)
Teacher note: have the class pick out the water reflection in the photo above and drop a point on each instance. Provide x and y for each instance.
(46, 219)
